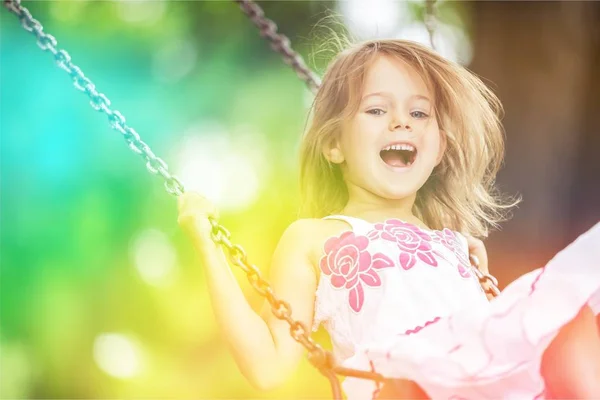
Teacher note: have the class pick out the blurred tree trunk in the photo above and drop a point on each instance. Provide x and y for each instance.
(541, 58)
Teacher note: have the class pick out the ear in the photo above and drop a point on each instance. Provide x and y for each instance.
(333, 152)
(443, 144)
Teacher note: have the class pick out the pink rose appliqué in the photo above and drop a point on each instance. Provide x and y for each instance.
(412, 241)
(449, 239)
(350, 265)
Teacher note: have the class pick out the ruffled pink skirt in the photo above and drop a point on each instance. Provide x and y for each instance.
(494, 350)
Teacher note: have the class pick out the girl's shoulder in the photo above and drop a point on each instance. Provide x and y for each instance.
(311, 235)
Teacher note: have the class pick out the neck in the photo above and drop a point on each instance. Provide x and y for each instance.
(365, 205)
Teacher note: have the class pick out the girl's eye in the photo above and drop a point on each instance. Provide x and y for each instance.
(376, 111)
(418, 114)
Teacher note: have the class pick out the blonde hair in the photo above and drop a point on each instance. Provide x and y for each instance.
(460, 194)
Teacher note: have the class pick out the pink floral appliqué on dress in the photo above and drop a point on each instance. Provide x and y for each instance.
(449, 239)
(411, 240)
(350, 265)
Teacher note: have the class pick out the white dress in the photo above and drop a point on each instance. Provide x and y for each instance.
(403, 301)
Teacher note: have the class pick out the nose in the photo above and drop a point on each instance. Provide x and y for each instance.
(399, 125)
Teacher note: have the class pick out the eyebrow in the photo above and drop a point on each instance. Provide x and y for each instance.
(388, 94)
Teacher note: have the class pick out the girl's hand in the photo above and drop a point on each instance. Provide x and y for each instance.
(477, 249)
(194, 213)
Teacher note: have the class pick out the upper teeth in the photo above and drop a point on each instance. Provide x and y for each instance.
(402, 146)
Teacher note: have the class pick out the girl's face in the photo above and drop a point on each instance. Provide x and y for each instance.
(393, 142)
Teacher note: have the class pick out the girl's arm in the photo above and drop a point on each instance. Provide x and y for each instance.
(295, 281)
(264, 351)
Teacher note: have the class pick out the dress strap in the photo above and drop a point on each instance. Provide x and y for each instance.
(358, 225)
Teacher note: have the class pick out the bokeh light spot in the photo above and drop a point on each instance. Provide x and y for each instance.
(154, 258)
(141, 11)
(372, 19)
(222, 167)
(174, 60)
(117, 355)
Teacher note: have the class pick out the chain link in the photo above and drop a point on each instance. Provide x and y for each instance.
(488, 282)
(98, 101)
(279, 43)
(430, 20)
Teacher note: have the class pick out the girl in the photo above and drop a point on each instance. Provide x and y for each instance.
(397, 171)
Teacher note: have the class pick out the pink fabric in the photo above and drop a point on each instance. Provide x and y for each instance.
(349, 265)
(420, 313)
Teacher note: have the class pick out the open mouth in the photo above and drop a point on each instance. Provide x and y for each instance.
(399, 155)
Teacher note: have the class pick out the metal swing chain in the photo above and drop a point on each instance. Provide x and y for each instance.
(280, 43)
(98, 100)
(488, 282)
(430, 20)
